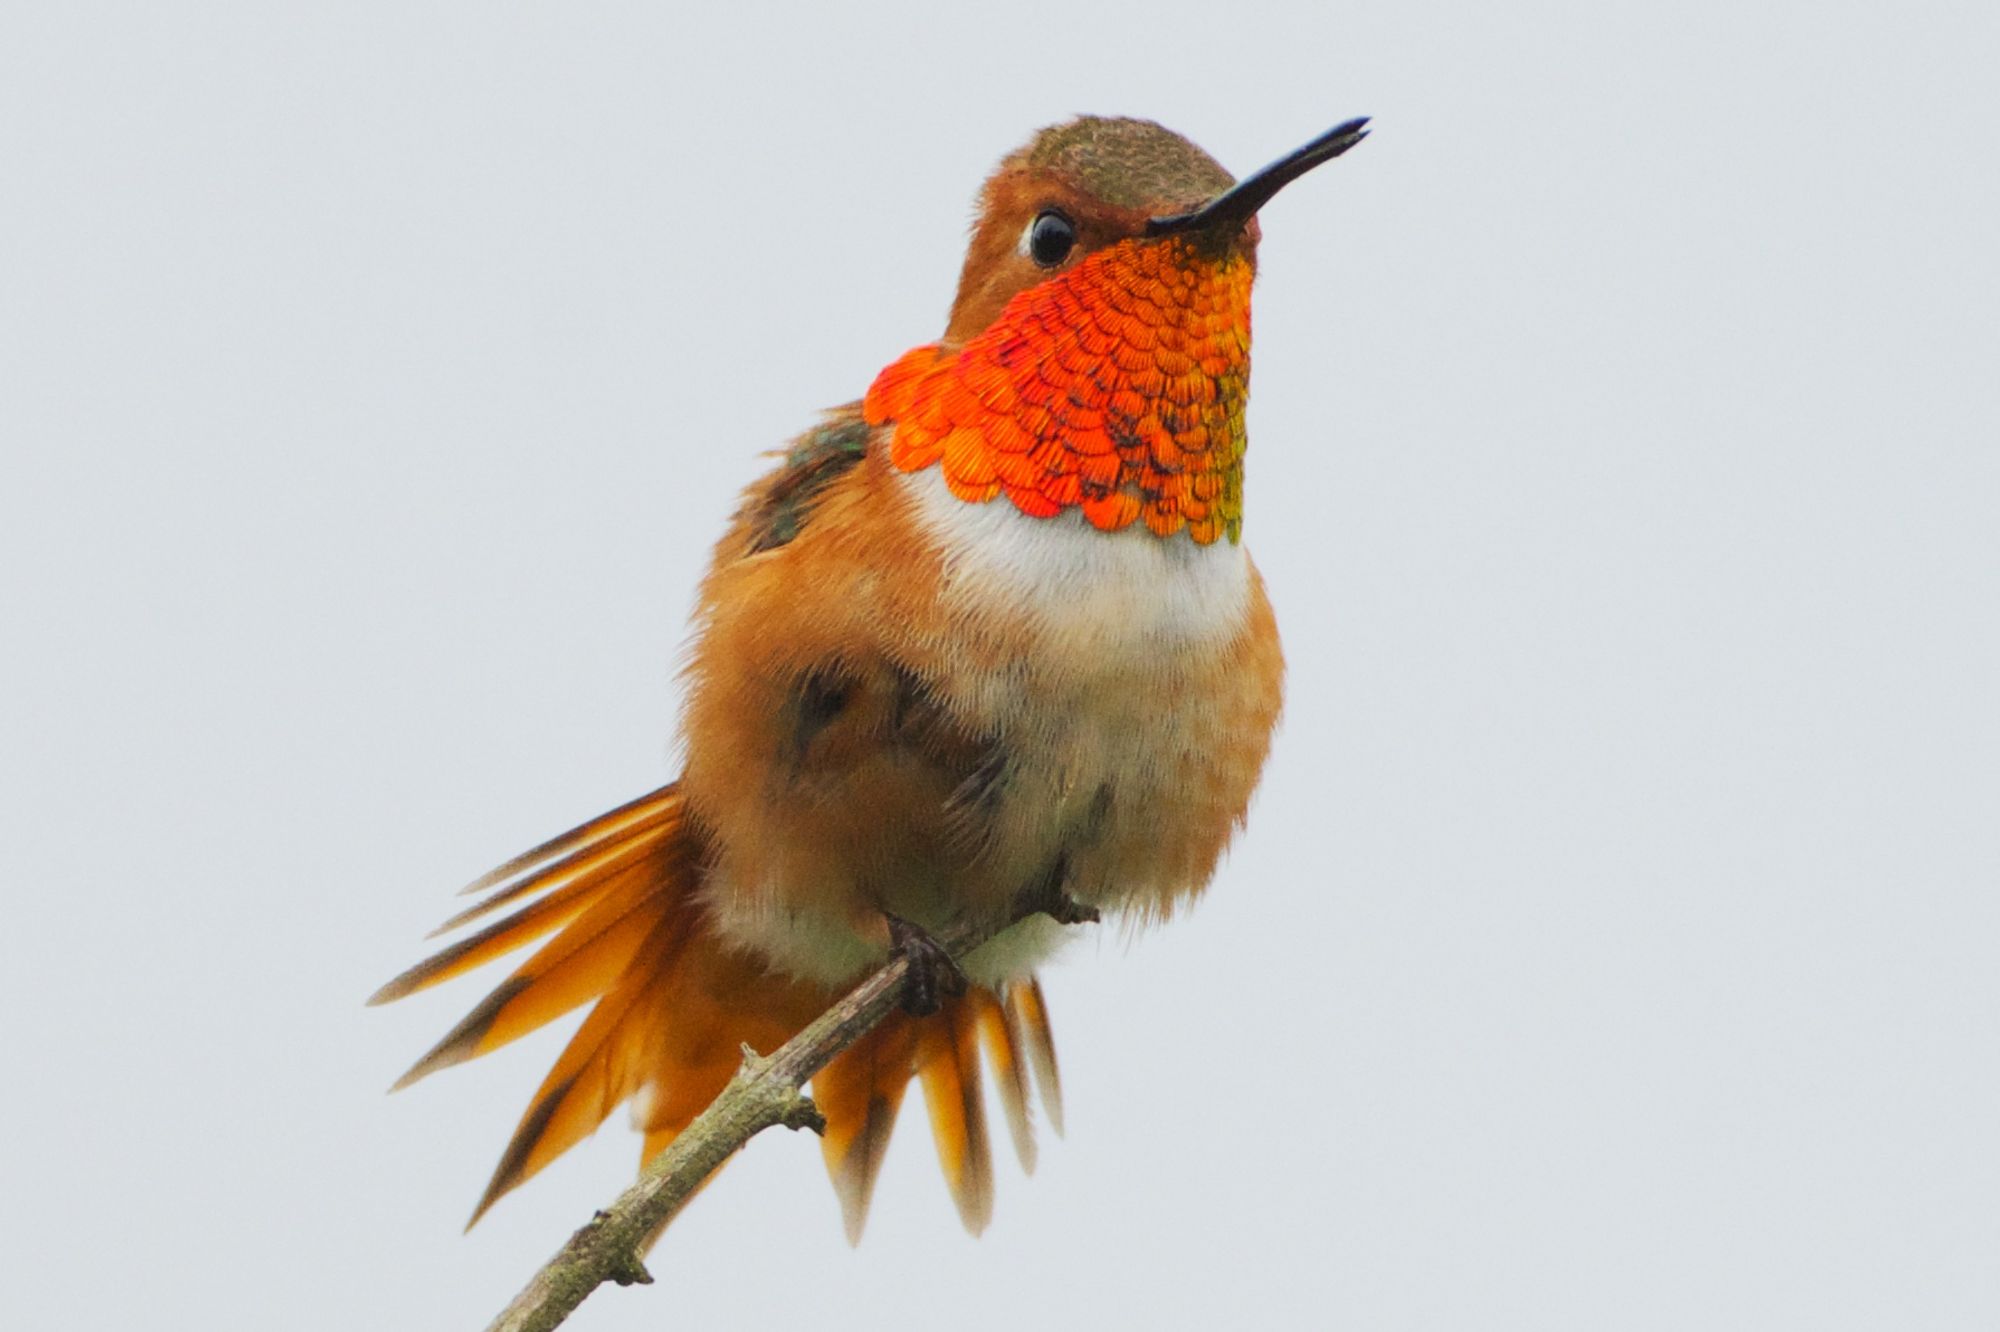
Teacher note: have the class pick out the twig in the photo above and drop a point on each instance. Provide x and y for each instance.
(764, 1092)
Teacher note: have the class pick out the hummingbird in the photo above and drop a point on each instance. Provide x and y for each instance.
(986, 638)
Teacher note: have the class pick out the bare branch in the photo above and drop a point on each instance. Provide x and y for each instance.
(765, 1091)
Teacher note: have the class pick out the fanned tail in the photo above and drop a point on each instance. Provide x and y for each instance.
(861, 1091)
(611, 883)
(673, 1008)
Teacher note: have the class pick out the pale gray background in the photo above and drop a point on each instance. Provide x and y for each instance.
(1614, 940)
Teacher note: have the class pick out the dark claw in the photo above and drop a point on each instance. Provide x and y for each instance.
(1066, 910)
(1049, 898)
(932, 975)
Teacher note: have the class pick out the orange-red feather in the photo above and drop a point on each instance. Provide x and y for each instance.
(1117, 387)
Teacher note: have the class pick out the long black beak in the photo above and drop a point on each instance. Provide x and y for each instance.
(1234, 206)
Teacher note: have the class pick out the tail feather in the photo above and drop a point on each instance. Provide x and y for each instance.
(948, 1066)
(583, 962)
(1028, 1019)
(580, 866)
(674, 1007)
(570, 885)
(860, 1094)
(603, 1065)
(496, 940)
(608, 826)
(1010, 1073)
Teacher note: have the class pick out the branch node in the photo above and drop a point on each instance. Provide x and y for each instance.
(789, 1106)
(627, 1270)
(799, 1112)
(754, 1065)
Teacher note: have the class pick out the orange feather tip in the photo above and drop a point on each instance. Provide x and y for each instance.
(582, 867)
(1010, 1073)
(948, 1068)
(890, 396)
(463, 1041)
(1028, 1011)
(607, 824)
(496, 940)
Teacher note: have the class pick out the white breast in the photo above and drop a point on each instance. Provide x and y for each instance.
(1086, 590)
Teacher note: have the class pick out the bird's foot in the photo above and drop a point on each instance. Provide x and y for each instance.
(933, 973)
(1049, 898)
(1066, 910)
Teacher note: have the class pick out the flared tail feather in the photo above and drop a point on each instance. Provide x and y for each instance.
(673, 1007)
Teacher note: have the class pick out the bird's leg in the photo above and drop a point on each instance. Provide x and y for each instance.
(932, 975)
(1049, 897)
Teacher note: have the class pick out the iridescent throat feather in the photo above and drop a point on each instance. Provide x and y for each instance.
(1117, 388)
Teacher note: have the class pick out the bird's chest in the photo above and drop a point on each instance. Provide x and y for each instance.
(1098, 664)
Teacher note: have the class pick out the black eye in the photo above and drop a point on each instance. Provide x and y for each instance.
(1050, 238)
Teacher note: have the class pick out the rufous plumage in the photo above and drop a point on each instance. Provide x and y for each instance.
(988, 636)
